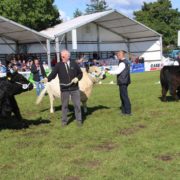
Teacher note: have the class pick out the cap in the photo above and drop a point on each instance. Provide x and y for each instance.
(123, 50)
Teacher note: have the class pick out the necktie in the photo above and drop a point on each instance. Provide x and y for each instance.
(67, 68)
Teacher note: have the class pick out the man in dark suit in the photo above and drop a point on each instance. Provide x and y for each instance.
(38, 72)
(69, 74)
(123, 80)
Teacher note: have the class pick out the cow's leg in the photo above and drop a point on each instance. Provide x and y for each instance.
(15, 108)
(174, 94)
(84, 107)
(164, 92)
(51, 99)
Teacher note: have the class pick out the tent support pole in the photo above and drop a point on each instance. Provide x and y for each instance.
(48, 53)
(57, 49)
(161, 48)
(66, 43)
(17, 47)
(98, 39)
(128, 48)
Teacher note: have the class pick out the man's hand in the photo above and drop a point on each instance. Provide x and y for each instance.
(45, 80)
(75, 80)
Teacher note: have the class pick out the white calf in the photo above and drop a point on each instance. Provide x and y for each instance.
(94, 75)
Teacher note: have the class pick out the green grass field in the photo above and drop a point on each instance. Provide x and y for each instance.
(108, 146)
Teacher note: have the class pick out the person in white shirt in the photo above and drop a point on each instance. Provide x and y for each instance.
(123, 80)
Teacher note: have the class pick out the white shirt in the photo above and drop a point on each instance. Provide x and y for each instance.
(120, 68)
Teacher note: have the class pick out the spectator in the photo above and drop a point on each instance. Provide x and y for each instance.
(2, 70)
(38, 74)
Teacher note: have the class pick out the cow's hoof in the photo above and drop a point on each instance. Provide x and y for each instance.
(51, 111)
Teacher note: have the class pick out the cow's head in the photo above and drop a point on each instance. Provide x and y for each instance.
(96, 74)
(19, 83)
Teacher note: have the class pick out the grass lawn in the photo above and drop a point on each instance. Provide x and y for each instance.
(109, 146)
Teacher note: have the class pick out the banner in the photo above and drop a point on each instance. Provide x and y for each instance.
(137, 68)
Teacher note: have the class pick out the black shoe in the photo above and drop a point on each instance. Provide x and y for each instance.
(64, 124)
(79, 123)
(128, 114)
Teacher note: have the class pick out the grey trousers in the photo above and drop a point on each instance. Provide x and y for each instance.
(75, 97)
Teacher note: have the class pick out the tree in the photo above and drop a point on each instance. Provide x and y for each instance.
(162, 18)
(77, 13)
(96, 6)
(35, 14)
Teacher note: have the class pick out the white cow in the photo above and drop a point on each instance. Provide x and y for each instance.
(94, 75)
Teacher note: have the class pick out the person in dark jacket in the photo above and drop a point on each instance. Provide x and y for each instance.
(69, 74)
(123, 80)
(38, 74)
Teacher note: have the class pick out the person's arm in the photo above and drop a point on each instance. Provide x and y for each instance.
(120, 68)
(53, 73)
(43, 71)
(79, 75)
(79, 72)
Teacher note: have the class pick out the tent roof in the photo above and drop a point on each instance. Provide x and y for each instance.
(19, 33)
(110, 20)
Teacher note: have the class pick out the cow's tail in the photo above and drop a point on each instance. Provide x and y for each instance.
(42, 94)
(164, 77)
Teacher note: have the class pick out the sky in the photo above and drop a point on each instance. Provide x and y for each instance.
(67, 7)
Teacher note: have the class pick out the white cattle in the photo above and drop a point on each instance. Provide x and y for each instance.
(94, 75)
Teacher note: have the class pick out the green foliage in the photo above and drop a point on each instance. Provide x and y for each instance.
(77, 13)
(96, 6)
(162, 18)
(109, 146)
(35, 14)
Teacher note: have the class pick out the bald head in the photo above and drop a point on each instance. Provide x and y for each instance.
(65, 55)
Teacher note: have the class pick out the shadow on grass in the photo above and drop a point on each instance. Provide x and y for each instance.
(71, 115)
(13, 123)
(90, 110)
(168, 99)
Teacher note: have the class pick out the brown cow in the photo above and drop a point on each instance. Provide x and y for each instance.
(170, 80)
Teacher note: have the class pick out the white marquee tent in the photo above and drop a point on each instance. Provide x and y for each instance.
(13, 35)
(108, 31)
(99, 32)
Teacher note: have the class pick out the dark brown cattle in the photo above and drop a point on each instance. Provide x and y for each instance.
(170, 80)
(13, 85)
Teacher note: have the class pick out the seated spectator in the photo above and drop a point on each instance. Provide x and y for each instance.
(137, 60)
(54, 62)
(81, 60)
(95, 55)
(2, 70)
(23, 66)
(141, 60)
(28, 65)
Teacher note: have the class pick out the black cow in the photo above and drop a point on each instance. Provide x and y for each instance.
(170, 80)
(10, 86)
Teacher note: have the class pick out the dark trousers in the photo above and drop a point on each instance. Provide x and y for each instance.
(75, 97)
(125, 102)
